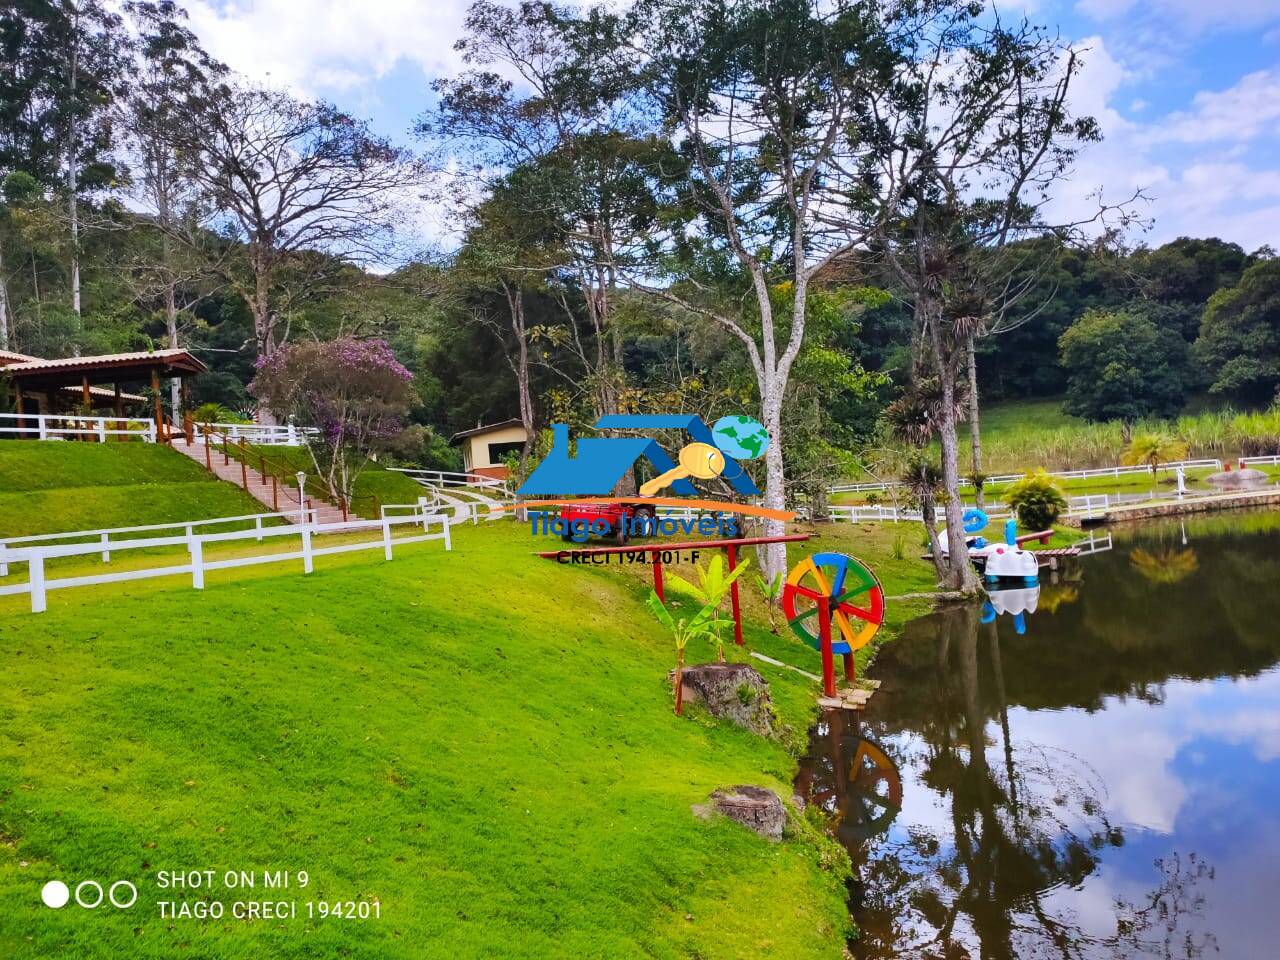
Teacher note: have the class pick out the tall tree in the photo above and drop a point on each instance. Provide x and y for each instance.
(170, 68)
(303, 186)
(1240, 336)
(764, 102)
(68, 58)
(974, 133)
(562, 146)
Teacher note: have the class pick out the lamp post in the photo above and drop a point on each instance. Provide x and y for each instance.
(302, 497)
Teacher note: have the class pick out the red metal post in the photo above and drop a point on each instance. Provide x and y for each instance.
(733, 596)
(828, 657)
(657, 577)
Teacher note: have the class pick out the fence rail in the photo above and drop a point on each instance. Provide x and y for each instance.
(273, 435)
(450, 478)
(38, 583)
(48, 426)
(1062, 474)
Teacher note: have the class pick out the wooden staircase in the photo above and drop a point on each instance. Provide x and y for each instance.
(270, 492)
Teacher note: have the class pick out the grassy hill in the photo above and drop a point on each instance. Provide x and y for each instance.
(481, 742)
(54, 487)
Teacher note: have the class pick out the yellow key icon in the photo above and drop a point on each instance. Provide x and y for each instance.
(700, 460)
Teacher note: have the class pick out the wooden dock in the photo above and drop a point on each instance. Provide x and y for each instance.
(850, 698)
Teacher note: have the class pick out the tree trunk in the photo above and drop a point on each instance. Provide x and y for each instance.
(960, 572)
(171, 327)
(515, 306)
(928, 511)
(73, 184)
(773, 556)
(975, 431)
(4, 307)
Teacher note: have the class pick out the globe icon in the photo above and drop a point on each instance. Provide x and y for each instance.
(741, 437)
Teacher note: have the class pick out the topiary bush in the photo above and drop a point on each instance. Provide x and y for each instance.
(1037, 501)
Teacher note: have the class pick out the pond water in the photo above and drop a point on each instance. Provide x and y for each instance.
(1097, 777)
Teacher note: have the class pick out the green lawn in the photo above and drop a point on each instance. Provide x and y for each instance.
(52, 487)
(481, 742)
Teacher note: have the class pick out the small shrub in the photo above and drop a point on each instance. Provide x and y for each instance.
(874, 498)
(899, 549)
(746, 694)
(1037, 501)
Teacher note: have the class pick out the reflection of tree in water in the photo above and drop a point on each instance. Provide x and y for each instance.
(1170, 565)
(1021, 828)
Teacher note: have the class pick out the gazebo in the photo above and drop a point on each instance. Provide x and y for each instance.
(43, 386)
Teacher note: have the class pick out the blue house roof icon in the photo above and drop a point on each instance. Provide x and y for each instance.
(602, 461)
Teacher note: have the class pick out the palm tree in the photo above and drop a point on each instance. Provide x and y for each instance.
(1153, 449)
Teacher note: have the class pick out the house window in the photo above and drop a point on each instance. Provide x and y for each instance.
(498, 452)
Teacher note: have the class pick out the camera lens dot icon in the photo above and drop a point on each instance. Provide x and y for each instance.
(55, 894)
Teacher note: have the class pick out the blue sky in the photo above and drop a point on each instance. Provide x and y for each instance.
(1187, 91)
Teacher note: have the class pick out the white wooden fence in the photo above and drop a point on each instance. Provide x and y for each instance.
(104, 537)
(274, 435)
(60, 426)
(39, 583)
(449, 478)
(1063, 474)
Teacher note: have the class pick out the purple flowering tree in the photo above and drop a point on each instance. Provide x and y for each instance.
(354, 393)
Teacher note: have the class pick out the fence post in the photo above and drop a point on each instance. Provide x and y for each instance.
(257, 525)
(35, 571)
(40, 425)
(448, 540)
(196, 546)
(733, 596)
(102, 431)
(306, 550)
(150, 432)
(4, 564)
(386, 537)
(106, 554)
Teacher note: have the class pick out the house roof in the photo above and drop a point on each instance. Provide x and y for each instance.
(106, 392)
(487, 428)
(176, 357)
(8, 357)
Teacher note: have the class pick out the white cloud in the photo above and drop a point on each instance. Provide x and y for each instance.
(313, 45)
(1241, 112)
(1194, 163)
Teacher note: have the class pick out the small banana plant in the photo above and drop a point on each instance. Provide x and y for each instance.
(682, 631)
(711, 589)
(771, 590)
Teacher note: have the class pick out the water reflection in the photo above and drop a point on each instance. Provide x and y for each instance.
(1100, 785)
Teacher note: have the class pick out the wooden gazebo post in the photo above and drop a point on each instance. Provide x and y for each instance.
(155, 389)
(119, 408)
(17, 400)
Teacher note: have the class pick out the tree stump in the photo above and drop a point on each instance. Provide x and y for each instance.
(756, 808)
(734, 691)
